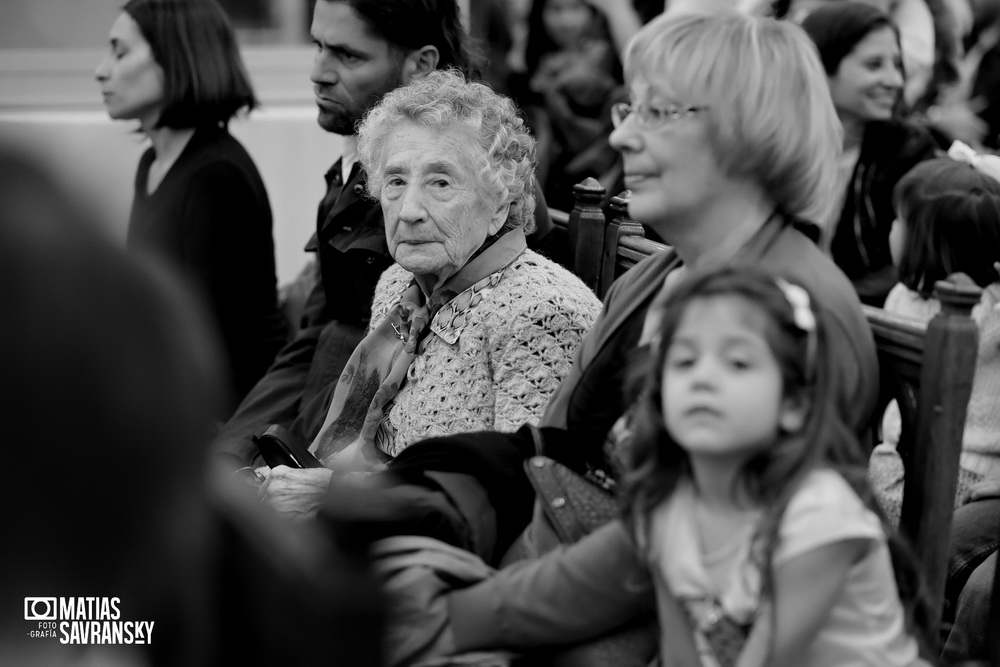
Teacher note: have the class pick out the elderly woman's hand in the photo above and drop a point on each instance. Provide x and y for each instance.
(987, 488)
(295, 492)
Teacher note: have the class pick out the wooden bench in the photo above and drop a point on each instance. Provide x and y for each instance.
(993, 642)
(928, 370)
(603, 249)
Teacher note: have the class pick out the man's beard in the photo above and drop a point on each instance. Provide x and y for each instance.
(340, 121)
(343, 120)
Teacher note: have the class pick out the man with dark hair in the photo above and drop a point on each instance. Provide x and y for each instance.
(364, 49)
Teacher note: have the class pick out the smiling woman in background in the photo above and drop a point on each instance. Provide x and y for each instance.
(859, 47)
(199, 201)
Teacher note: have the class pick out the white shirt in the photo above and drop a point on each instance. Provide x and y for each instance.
(866, 624)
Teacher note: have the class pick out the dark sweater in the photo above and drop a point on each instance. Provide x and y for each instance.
(860, 244)
(210, 218)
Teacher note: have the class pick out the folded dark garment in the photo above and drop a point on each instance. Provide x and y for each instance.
(413, 497)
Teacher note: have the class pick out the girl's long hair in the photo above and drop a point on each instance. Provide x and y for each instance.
(656, 464)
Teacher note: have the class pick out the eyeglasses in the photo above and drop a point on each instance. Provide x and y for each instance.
(650, 117)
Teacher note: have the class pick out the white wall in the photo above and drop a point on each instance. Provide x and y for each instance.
(50, 106)
(97, 158)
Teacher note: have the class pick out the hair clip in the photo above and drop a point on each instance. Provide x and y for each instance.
(799, 300)
(804, 318)
(986, 164)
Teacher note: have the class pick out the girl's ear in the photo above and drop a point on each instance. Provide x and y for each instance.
(794, 411)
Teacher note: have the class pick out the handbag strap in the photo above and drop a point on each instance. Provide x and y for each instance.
(537, 439)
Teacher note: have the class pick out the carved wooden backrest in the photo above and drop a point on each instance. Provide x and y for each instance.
(993, 638)
(586, 231)
(604, 248)
(928, 370)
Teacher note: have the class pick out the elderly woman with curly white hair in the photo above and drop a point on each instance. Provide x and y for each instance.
(470, 330)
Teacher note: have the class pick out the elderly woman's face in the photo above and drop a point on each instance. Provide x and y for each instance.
(671, 168)
(435, 215)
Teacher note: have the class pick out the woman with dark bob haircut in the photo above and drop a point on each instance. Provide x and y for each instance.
(174, 66)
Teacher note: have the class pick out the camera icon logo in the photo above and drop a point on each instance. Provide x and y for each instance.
(40, 609)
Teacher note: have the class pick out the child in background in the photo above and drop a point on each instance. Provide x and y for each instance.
(948, 221)
(749, 497)
(573, 77)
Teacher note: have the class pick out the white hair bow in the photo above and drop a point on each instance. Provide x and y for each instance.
(804, 318)
(983, 163)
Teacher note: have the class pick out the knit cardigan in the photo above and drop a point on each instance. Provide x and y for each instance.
(504, 355)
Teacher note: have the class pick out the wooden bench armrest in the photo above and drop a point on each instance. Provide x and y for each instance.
(559, 218)
(633, 249)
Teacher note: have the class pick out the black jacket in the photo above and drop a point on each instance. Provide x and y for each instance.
(860, 244)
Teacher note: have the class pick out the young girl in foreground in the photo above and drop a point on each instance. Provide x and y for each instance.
(749, 497)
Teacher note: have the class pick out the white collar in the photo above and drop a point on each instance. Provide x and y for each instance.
(349, 157)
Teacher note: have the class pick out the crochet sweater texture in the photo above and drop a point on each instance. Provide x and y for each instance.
(981, 441)
(509, 351)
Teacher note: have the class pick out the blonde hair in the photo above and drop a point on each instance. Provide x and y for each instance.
(770, 114)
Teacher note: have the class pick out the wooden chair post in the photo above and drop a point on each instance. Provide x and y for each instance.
(947, 369)
(586, 231)
(619, 227)
(993, 639)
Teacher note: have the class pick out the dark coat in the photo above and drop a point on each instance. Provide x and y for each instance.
(351, 253)
(860, 244)
(210, 218)
(591, 397)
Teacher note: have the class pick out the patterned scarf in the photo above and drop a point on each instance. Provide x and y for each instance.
(356, 433)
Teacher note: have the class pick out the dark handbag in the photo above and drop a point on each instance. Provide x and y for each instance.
(575, 506)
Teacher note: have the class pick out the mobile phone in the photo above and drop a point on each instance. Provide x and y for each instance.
(279, 447)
